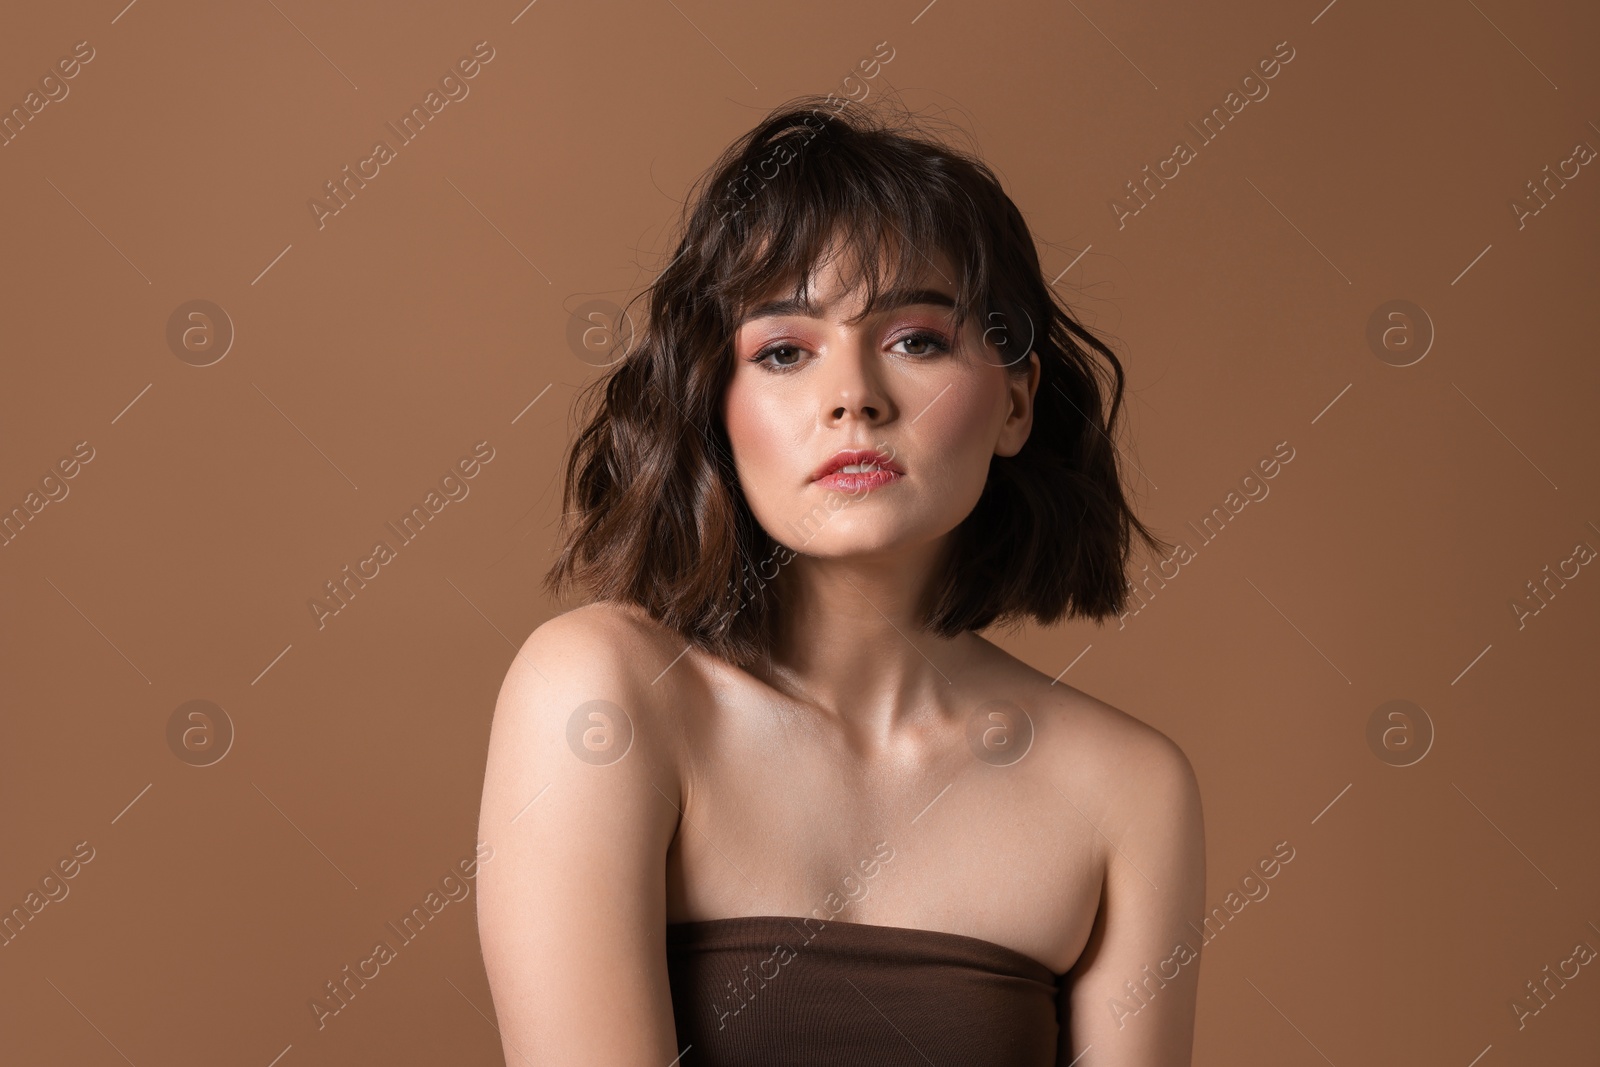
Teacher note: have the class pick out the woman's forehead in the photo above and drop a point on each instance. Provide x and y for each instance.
(845, 273)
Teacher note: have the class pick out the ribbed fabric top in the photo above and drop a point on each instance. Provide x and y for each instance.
(776, 990)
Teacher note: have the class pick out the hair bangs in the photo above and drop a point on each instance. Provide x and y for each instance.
(831, 199)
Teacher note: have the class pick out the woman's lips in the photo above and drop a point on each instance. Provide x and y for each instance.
(860, 481)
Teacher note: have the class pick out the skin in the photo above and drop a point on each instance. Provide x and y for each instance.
(757, 792)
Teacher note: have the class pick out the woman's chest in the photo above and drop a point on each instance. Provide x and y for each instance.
(952, 844)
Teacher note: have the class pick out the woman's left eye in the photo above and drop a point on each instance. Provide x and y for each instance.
(931, 343)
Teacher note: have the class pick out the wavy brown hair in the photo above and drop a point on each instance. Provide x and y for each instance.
(653, 513)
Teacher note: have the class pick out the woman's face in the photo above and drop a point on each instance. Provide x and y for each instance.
(808, 384)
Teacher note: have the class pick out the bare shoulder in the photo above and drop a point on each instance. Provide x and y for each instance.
(1118, 760)
(592, 670)
(582, 799)
(1140, 801)
(614, 648)
(603, 631)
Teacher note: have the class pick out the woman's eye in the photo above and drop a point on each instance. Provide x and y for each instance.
(775, 352)
(784, 356)
(923, 344)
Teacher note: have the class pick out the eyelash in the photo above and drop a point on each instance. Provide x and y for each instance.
(937, 343)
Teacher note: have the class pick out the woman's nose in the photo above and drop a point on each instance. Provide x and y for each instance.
(853, 381)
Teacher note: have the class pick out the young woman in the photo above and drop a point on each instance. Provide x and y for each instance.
(770, 798)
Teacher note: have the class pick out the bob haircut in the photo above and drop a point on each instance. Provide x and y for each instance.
(653, 513)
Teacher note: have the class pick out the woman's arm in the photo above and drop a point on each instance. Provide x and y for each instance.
(572, 908)
(1132, 998)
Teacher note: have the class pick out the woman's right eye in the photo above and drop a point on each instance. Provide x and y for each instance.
(776, 351)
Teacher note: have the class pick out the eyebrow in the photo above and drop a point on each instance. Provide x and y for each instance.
(893, 298)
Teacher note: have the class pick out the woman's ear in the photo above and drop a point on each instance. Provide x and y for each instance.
(1020, 390)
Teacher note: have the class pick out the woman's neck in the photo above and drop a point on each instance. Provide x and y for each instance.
(849, 640)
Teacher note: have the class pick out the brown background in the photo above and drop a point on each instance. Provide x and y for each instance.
(370, 355)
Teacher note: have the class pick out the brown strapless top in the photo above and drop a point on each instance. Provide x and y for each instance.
(776, 990)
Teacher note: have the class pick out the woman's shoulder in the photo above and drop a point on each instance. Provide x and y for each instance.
(605, 632)
(1087, 740)
(605, 650)
(598, 628)
(582, 684)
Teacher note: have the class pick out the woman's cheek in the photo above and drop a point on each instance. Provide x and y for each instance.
(745, 417)
(957, 428)
(760, 441)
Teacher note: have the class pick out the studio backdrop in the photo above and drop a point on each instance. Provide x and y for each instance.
(297, 302)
